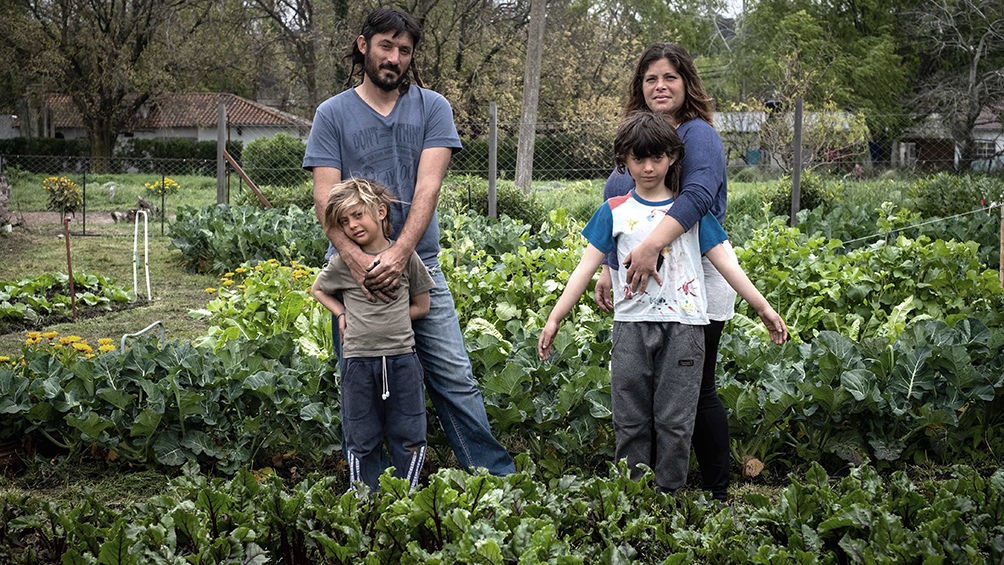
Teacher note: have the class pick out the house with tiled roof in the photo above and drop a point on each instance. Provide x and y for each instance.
(180, 116)
(930, 145)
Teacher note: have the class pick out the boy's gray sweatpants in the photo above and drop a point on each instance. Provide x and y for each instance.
(655, 380)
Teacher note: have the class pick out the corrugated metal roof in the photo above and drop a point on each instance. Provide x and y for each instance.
(185, 110)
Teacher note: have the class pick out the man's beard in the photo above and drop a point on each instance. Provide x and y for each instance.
(373, 72)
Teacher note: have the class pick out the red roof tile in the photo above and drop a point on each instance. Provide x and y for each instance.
(185, 110)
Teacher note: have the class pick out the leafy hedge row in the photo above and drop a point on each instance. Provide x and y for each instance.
(505, 277)
(217, 239)
(165, 406)
(935, 393)
(817, 284)
(523, 518)
(35, 299)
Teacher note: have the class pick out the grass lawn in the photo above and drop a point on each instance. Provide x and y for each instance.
(197, 191)
(38, 249)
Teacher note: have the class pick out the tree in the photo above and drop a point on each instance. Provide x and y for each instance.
(226, 30)
(97, 53)
(531, 87)
(962, 74)
(306, 31)
(850, 48)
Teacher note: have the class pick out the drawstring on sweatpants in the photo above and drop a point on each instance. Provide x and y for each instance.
(386, 389)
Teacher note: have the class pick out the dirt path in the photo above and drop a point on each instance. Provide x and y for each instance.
(34, 219)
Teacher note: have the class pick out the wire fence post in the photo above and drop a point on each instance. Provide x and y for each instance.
(493, 166)
(1001, 258)
(796, 174)
(163, 199)
(83, 189)
(69, 266)
(221, 164)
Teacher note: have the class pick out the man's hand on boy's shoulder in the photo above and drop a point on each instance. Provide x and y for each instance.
(384, 275)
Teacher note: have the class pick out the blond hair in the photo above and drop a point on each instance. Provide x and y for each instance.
(355, 192)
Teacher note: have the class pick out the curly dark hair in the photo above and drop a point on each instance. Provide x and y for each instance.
(386, 20)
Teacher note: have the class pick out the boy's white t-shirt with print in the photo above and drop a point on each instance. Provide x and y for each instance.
(622, 223)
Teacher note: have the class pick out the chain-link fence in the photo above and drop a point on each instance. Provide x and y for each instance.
(836, 143)
(108, 191)
(757, 145)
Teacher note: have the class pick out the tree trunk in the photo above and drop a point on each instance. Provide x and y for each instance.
(102, 137)
(531, 92)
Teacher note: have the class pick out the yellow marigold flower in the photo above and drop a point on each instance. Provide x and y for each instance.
(105, 348)
(89, 356)
(242, 287)
(58, 346)
(4, 359)
(227, 282)
(34, 335)
(241, 270)
(294, 262)
(69, 339)
(82, 346)
(257, 267)
(228, 275)
(50, 335)
(210, 290)
(104, 341)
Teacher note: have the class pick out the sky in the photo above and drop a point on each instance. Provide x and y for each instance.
(734, 7)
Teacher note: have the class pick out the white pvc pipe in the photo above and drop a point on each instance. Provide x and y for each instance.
(146, 254)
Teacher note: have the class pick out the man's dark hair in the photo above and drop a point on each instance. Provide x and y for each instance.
(647, 134)
(386, 20)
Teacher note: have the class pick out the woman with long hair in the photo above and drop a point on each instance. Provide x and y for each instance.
(665, 80)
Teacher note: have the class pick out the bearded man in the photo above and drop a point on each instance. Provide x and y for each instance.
(392, 130)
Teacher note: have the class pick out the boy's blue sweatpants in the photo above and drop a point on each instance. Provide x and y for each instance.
(383, 397)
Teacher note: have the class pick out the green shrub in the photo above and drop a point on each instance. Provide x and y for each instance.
(187, 156)
(817, 284)
(65, 195)
(579, 198)
(471, 193)
(279, 196)
(814, 191)
(24, 153)
(948, 194)
(217, 239)
(275, 160)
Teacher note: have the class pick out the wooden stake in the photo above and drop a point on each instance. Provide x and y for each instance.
(69, 266)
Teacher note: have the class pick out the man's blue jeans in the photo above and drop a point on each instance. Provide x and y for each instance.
(450, 383)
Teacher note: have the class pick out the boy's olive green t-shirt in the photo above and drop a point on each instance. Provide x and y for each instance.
(375, 329)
